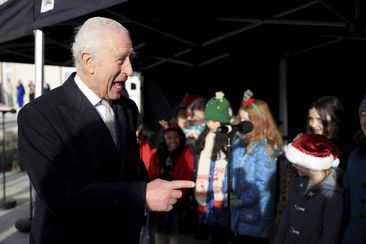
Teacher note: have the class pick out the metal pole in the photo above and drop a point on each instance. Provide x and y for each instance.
(228, 223)
(24, 224)
(39, 61)
(6, 204)
(4, 182)
(283, 99)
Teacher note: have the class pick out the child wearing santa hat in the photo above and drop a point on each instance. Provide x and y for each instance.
(314, 208)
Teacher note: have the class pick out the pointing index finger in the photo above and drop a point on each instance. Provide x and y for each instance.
(177, 184)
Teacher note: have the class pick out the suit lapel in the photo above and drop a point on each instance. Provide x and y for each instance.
(125, 130)
(122, 134)
(89, 123)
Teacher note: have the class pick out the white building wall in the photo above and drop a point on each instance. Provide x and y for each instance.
(133, 87)
(12, 72)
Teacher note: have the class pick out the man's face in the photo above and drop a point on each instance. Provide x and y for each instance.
(112, 66)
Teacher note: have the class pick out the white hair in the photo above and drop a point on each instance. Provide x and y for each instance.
(89, 37)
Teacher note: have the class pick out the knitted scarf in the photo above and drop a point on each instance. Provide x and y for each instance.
(203, 175)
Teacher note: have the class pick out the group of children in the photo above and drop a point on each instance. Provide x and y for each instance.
(243, 174)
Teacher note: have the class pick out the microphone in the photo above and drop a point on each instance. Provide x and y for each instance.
(243, 127)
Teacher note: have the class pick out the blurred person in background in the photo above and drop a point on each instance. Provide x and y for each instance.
(355, 208)
(171, 160)
(20, 93)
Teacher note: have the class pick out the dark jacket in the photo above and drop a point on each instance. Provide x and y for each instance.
(314, 215)
(88, 189)
(355, 231)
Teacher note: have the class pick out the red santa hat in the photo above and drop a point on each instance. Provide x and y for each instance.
(313, 152)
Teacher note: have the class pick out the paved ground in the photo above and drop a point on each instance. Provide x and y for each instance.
(17, 188)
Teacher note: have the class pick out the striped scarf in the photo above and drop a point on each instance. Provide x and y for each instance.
(203, 175)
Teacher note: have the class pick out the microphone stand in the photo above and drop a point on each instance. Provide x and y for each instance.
(228, 179)
(243, 127)
(6, 203)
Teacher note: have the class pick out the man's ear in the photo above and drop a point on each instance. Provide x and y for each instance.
(88, 62)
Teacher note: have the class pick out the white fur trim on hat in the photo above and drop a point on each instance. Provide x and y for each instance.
(298, 157)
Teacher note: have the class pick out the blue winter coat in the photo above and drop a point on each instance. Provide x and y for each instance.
(253, 184)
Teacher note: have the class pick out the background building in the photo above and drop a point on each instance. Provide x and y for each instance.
(54, 76)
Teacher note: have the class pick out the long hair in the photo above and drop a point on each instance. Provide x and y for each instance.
(220, 144)
(328, 105)
(162, 146)
(264, 127)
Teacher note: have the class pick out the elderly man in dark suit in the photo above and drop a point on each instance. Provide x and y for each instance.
(79, 148)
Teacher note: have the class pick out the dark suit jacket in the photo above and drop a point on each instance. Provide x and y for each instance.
(88, 189)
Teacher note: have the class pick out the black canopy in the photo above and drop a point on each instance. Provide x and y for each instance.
(203, 46)
(16, 20)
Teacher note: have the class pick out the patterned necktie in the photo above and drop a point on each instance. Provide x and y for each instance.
(110, 120)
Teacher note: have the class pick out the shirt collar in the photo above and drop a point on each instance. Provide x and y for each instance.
(90, 95)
